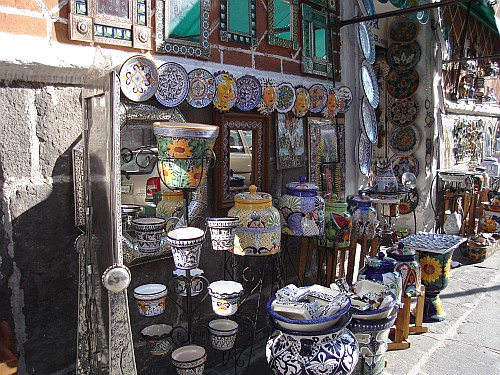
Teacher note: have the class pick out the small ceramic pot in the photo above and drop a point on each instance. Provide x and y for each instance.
(225, 296)
(364, 216)
(189, 360)
(409, 268)
(129, 212)
(180, 278)
(158, 338)
(171, 204)
(222, 230)
(186, 244)
(148, 231)
(489, 222)
(151, 299)
(223, 333)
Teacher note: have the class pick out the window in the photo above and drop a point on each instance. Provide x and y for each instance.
(237, 22)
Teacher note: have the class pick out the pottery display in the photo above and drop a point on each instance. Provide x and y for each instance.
(151, 299)
(171, 204)
(183, 152)
(259, 229)
(302, 210)
(180, 281)
(222, 231)
(492, 166)
(452, 222)
(409, 268)
(158, 338)
(338, 223)
(226, 296)
(481, 247)
(186, 244)
(364, 216)
(385, 181)
(382, 269)
(189, 360)
(222, 333)
(148, 232)
(334, 351)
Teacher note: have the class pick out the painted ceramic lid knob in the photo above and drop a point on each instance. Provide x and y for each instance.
(243, 200)
(116, 278)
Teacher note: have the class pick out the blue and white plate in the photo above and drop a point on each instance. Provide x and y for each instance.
(370, 84)
(367, 7)
(174, 84)
(364, 154)
(366, 41)
(138, 78)
(249, 93)
(201, 88)
(369, 119)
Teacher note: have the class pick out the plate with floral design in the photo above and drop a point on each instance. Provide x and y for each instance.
(402, 84)
(138, 78)
(201, 88)
(285, 97)
(174, 84)
(344, 98)
(249, 93)
(226, 91)
(404, 140)
(402, 56)
(364, 154)
(318, 97)
(403, 31)
(370, 84)
(366, 41)
(369, 119)
(403, 112)
(402, 164)
(367, 7)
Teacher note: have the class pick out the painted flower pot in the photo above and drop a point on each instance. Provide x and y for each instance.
(222, 231)
(338, 223)
(225, 296)
(302, 210)
(409, 268)
(259, 229)
(148, 232)
(183, 152)
(158, 338)
(151, 299)
(222, 333)
(489, 222)
(180, 284)
(189, 360)
(171, 204)
(186, 244)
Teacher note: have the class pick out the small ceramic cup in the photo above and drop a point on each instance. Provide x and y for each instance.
(186, 244)
(151, 299)
(158, 338)
(189, 359)
(225, 296)
(180, 279)
(223, 333)
(148, 231)
(222, 230)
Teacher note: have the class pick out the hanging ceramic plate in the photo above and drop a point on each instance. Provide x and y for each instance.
(405, 140)
(369, 119)
(370, 84)
(268, 103)
(174, 84)
(423, 17)
(403, 112)
(366, 41)
(249, 93)
(302, 101)
(364, 154)
(402, 84)
(367, 7)
(138, 78)
(285, 97)
(402, 56)
(318, 97)
(344, 98)
(403, 31)
(404, 163)
(409, 202)
(332, 103)
(201, 88)
(226, 91)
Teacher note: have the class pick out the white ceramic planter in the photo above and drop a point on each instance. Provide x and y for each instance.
(225, 296)
(223, 333)
(181, 278)
(148, 231)
(158, 338)
(151, 299)
(189, 360)
(186, 244)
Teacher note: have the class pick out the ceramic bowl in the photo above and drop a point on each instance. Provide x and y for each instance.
(313, 325)
(148, 231)
(158, 338)
(151, 299)
(180, 278)
(295, 310)
(223, 333)
(186, 244)
(377, 314)
(189, 359)
(225, 296)
(362, 287)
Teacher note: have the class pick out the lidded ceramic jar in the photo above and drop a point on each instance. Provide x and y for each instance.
(302, 210)
(408, 267)
(385, 181)
(338, 223)
(364, 216)
(382, 269)
(259, 229)
(171, 204)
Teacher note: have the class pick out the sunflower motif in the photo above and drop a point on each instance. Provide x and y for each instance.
(431, 269)
(447, 268)
(179, 148)
(194, 176)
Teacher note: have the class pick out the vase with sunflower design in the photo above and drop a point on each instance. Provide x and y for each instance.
(184, 152)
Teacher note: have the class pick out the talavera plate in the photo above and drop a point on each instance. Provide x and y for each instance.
(318, 97)
(403, 112)
(138, 78)
(366, 41)
(402, 56)
(285, 97)
(369, 119)
(174, 84)
(370, 84)
(405, 140)
(402, 84)
(201, 88)
(364, 154)
(249, 93)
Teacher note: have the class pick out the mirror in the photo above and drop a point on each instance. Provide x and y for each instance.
(282, 23)
(237, 22)
(242, 156)
(182, 27)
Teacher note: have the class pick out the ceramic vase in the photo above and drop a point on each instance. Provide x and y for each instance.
(171, 204)
(338, 223)
(408, 267)
(302, 210)
(385, 181)
(364, 216)
(330, 352)
(222, 231)
(259, 229)
(452, 222)
(148, 232)
(184, 150)
(186, 244)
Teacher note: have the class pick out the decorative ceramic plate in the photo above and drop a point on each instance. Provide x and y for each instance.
(403, 112)
(318, 97)
(402, 56)
(344, 98)
(201, 88)
(268, 103)
(364, 154)
(403, 31)
(226, 91)
(174, 84)
(409, 202)
(370, 84)
(423, 17)
(332, 104)
(249, 93)
(285, 97)
(302, 101)
(366, 41)
(138, 78)
(398, 3)
(402, 164)
(402, 84)
(405, 140)
(367, 7)
(370, 125)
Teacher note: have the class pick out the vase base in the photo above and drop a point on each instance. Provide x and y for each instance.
(433, 310)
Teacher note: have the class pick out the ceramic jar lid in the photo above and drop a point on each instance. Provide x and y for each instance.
(253, 199)
(381, 262)
(302, 188)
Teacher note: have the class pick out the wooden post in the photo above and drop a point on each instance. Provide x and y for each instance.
(304, 250)
(401, 330)
(351, 259)
(419, 313)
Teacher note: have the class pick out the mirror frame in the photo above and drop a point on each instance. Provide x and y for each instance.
(226, 35)
(224, 198)
(294, 22)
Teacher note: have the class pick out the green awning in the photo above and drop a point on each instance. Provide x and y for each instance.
(484, 14)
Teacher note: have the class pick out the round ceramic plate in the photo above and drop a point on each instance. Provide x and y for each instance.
(409, 202)
(364, 154)
(268, 103)
(398, 3)
(366, 41)
(174, 84)
(403, 112)
(402, 56)
(403, 31)
(249, 93)
(370, 125)
(367, 7)
(402, 84)
(226, 91)
(404, 140)
(318, 97)
(201, 88)
(404, 163)
(370, 85)
(302, 101)
(344, 98)
(285, 97)
(138, 78)
(332, 104)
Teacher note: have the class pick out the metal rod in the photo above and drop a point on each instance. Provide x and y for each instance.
(451, 61)
(400, 12)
